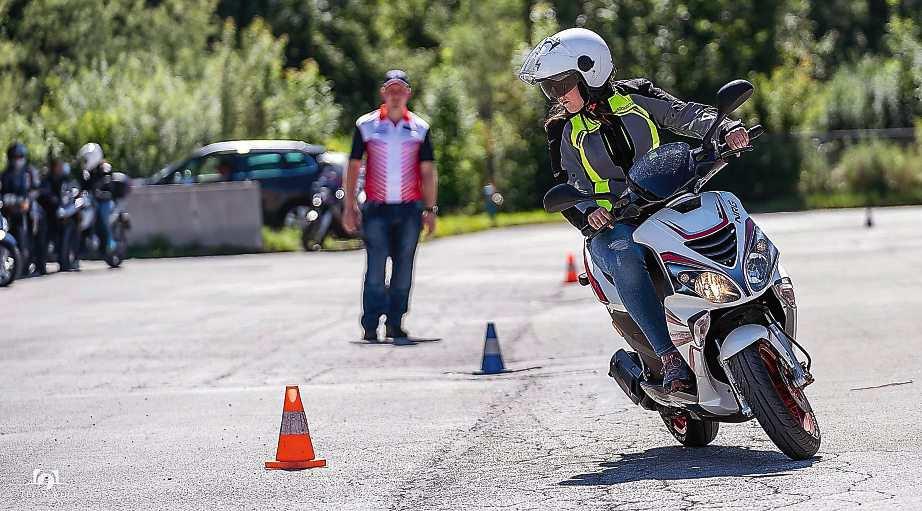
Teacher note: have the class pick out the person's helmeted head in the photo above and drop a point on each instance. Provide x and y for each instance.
(570, 61)
(89, 156)
(395, 90)
(16, 155)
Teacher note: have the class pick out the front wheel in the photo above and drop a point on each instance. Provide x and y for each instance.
(68, 252)
(688, 431)
(313, 234)
(115, 256)
(781, 409)
(9, 264)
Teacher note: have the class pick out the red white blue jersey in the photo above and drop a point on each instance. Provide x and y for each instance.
(393, 153)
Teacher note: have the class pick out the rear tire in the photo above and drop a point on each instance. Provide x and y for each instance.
(784, 413)
(688, 431)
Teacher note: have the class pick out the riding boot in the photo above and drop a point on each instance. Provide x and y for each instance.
(677, 375)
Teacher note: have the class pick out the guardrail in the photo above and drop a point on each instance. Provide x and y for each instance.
(217, 214)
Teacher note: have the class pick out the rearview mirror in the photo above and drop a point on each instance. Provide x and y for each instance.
(563, 196)
(732, 95)
(729, 98)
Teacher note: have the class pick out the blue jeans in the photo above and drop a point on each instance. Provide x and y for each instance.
(389, 230)
(103, 212)
(619, 256)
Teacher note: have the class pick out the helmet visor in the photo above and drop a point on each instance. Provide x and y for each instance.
(529, 72)
(555, 87)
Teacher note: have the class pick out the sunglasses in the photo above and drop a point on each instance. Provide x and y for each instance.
(554, 88)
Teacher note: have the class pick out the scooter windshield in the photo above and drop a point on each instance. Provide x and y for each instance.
(658, 174)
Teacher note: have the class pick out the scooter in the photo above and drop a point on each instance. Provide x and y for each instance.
(729, 303)
(93, 235)
(10, 258)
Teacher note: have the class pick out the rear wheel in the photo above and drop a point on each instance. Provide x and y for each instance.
(688, 431)
(782, 410)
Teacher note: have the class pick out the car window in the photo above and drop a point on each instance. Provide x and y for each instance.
(207, 169)
(300, 163)
(270, 165)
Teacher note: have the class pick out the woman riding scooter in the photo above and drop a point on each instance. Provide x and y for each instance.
(596, 129)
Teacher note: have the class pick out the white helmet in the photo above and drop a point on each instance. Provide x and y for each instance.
(559, 61)
(89, 156)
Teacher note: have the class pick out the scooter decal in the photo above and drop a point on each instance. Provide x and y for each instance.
(724, 221)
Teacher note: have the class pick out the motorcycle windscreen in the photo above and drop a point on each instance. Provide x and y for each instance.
(657, 175)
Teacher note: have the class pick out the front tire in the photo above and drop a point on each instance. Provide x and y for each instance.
(313, 234)
(115, 257)
(9, 265)
(782, 410)
(688, 431)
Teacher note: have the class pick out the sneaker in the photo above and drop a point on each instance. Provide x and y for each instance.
(370, 336)
(399, 335)
(676, 373)
(394, 332)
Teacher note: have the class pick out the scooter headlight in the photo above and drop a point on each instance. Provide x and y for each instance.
(760, 260)
(716, 288)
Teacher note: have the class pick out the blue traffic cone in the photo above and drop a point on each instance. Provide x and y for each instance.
(492, 358)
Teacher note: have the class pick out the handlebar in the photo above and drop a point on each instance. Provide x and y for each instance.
(723, 153)
(754, 133)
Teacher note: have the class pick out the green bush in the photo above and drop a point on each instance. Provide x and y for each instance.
(878, 168)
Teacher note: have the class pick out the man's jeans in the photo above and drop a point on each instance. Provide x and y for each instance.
(619, 256)
(389, 230)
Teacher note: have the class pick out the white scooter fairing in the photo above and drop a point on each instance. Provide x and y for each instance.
(709, 232)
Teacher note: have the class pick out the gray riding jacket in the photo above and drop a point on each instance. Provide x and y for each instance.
(592, 149)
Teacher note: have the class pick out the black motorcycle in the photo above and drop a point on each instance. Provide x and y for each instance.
(65, 245)
(10, 258)
(323, 218)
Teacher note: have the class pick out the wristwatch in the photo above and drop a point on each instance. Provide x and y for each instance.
(432, 209)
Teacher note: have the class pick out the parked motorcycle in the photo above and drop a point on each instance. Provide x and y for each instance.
(10, 258)
(13, 256)
(324, 216)
(66, 247)
(730, 305)
(92, 230)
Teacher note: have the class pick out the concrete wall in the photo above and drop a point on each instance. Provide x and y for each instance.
(205, 214)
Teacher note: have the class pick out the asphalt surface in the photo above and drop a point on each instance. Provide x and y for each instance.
(159, 385)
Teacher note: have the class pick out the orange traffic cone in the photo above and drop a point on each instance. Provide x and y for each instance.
(571, 270)
(295, 450)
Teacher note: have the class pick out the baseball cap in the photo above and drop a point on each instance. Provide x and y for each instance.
(396, 76)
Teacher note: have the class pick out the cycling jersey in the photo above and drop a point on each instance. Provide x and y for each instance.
(394, 152)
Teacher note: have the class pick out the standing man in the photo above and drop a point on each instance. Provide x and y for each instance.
(400, 190)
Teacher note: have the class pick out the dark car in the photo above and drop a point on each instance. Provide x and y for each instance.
(287, 171)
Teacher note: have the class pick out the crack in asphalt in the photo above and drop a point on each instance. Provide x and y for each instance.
(423, 479)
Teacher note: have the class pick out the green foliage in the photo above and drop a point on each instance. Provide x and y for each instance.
(152, 80)
(878, 168)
